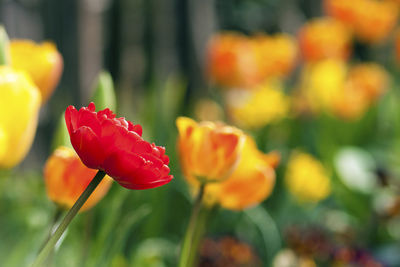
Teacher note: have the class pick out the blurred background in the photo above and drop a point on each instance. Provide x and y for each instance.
(163, 57)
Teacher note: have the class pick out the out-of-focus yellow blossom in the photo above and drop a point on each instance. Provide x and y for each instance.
(66, 177)
(250, 183)
(256, 108)
(371, 20)
(208, 110)
(288, 258)
(19, 109)
(324, 38)
(276, 55)
(231, 61)
(208, 151)
(321, 82)
(306, 178)
(41, 61)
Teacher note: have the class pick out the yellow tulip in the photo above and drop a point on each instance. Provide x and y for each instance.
(19, 109)
(264, 105)
(66, 177)
(306, 178)
(42, 61)
(250, 183)
(208, 151)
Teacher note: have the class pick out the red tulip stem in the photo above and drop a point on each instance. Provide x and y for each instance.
(188, 245)
(44, 253)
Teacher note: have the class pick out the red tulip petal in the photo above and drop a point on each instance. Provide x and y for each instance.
(71, 115)
(88, 147)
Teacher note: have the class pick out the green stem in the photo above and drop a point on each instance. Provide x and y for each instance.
(188, 246)
(67, 219)
(53, 225)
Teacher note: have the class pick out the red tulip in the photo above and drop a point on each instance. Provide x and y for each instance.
(116, 147)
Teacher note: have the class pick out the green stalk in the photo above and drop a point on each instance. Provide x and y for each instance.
(67, 219)
(189, 242)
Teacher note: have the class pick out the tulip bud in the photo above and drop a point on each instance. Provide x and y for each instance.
(208, 151)
(41, 61)
(19, 109)
(66, 177)
(104, 94)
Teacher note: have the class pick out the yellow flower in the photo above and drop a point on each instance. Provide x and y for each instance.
(19, 109)
(324, 38)
(250, 183)
(208, 151)
(321, 82)
(66, 177)
(42, 61)
(306, 178)
(256, 108)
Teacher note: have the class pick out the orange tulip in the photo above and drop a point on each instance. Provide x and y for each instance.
(66, 177)
(208, 151)
(276, 55)
(371, 20)
(42, 61)
(324, 38)
(231, 61)
(250, 183)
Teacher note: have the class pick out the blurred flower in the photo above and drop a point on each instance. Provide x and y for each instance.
(266, 104)
(371, 20)
(66, 177)
(227, 251)
(306, 178)
(276, 55)
(208, 151)
(19, 104)
(250, 183)
(310, 241)
(208, 110)
(333, 87)
(321, 82)
(231, 61)
(287, 258)
(237, 61)
(116, 146)
(324, 38)
(41, 61)
(348, 256)
(364, 85)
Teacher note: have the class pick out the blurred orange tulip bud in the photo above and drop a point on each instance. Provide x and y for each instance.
(324, 38)
(19, 110)
(250, 183)
(66, 177)
(371, 20)
(276, 55)
(208, 151)
(238, 61)
(231, 61)
(364, 85)
(41, 61)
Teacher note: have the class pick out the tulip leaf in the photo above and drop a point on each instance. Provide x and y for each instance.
(61, 136)
(4, 47)
(104, 94)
